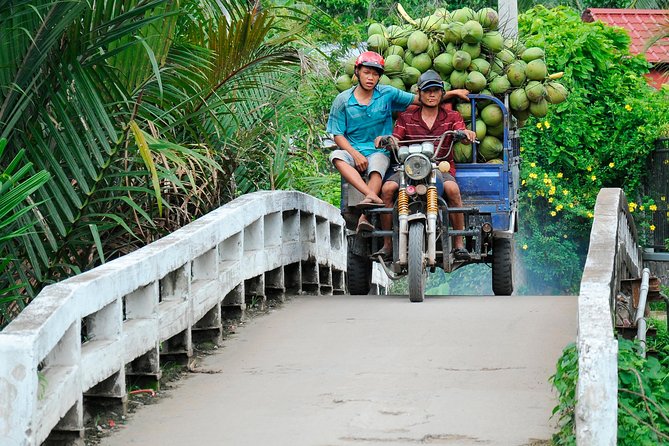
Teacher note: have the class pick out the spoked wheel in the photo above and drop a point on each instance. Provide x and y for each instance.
(416, 266)
(502, 267)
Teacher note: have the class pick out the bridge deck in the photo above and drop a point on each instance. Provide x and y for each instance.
(373, 370)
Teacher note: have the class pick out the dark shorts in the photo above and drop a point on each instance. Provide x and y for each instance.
(441, 178)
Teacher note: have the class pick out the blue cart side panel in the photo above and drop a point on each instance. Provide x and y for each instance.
(486, 187)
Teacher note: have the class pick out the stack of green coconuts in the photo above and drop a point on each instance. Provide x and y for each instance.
(468, 51)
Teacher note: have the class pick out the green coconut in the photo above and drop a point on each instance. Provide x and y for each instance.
(482, 103)
(475, 81)
(462, 153)
(394, 64)
(378, 43)
(384, 80)
(473, 49)
(422, 62)
(451, 48)
(480, 65)
(521, 115)
(472, 32)
(518, 99)
(490, 147)
(349, 66)
(343, 82)
(535, 91)
(398, 83)
(493, 40)
(539, 109)
(488, 18)
(495, 161)
(399, 35)
(463, 15)
(418, 42)
(408, 56)
(465, 110)
(430, 23)
(500, 85)
(481, 129)
(433, 49)
(410, 75)
(443, 63)
(506, 56)
(497, 66)
(556, 92)
(376, 29)
(458, 79)
(516, 74)
(395, 50)
(532, 53)
(496, 130)
(453, 32)
(461, 60)
(536, 70)
(492, 115)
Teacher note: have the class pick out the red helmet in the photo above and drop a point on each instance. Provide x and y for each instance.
(370, 59)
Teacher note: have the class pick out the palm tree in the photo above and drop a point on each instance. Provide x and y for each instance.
(135, 109)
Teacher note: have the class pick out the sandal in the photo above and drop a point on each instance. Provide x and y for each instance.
(461, 254)
(368, 203)
(364, 226)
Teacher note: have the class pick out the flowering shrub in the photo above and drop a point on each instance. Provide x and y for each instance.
(599, 137)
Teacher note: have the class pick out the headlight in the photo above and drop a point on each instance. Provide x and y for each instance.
(417, 166)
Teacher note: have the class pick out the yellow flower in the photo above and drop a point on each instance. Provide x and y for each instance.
(558, 207)
(547, 124)
(553, 213)
(593, 178)
(663, 198)
(652, 207)
(551, 191)
(559, 175)
(529, 195)
(522, 149)
(524, 246)
(632, 205)
(564, 235)
(590, 215)
(641, 208)
(533, 175)
(550, 200)
(571, 205)
(611, 165)
(628, 107)
(589, 168)
(652, 227)
(522, 183)
(565, 192)
(533, 164)
(538, 125)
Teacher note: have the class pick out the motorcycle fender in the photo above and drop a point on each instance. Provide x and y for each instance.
(417, 216)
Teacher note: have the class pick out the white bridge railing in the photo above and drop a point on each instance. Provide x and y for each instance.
(613, 255)
(84, 337)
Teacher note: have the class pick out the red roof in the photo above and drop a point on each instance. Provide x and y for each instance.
(641, 24)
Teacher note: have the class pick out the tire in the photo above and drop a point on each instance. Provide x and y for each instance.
(502, 267)
(416, 266)
(359, 274)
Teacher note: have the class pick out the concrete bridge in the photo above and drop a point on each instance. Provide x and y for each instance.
(327, 368)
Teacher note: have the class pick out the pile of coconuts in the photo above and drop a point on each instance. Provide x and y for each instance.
(468, 51)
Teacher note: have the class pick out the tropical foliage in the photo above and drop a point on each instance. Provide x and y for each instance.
(145, 114)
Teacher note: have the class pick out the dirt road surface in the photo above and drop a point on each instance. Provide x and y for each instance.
(372, 370)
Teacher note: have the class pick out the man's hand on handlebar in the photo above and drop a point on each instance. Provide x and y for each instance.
(385, 141)
(467, 135)
(459, 93)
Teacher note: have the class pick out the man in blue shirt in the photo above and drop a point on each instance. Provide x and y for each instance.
(358, 117)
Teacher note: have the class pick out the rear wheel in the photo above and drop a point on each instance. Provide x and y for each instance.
(416, 266)
(359, 274)
(502, 267)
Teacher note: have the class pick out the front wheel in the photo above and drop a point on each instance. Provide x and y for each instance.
(416, 264)
(502, 267)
